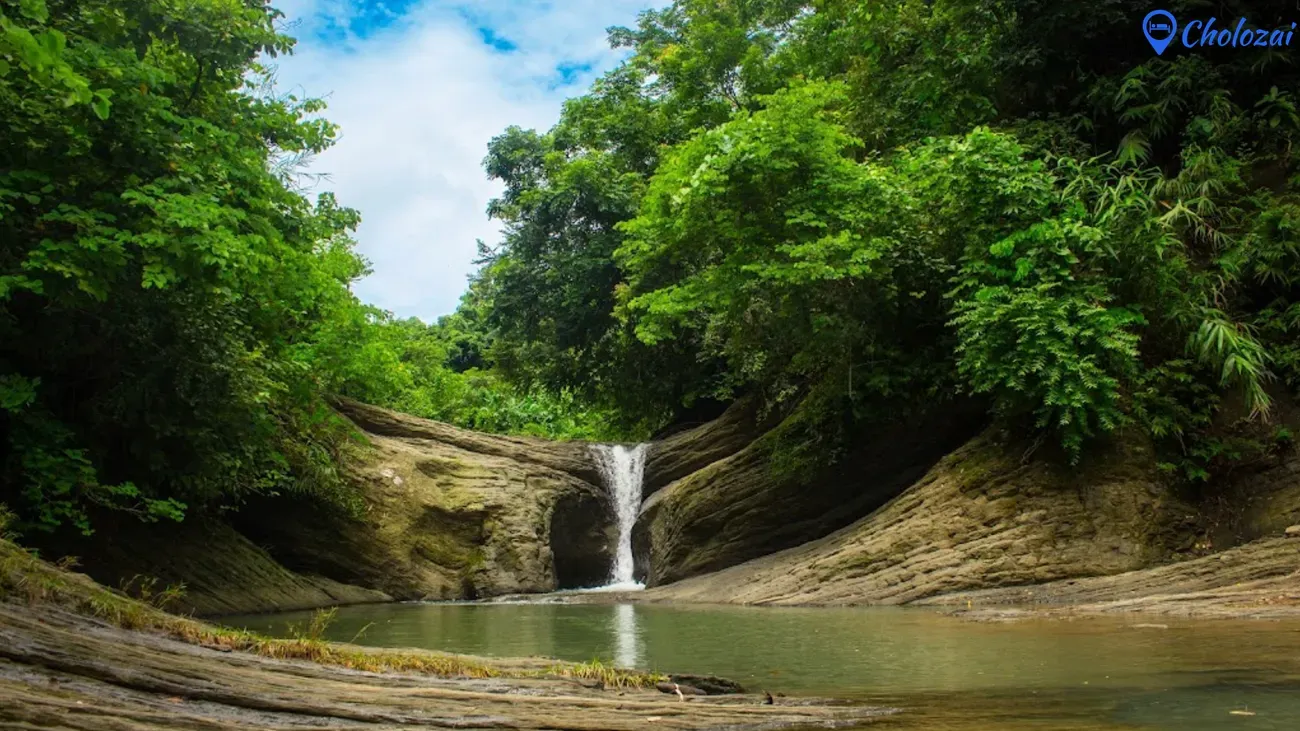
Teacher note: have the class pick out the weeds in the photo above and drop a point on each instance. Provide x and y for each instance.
(144, 589)
(321, 619)
(608, 675)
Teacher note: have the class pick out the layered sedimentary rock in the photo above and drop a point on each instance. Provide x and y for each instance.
(984, 516)
(691, 450)
(446, 514)
(453, 514)
(221, 570)
(755, 500)
(1260, 579)
(1258, 500)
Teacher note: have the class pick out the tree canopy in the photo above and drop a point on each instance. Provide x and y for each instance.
(173, 308)
(884, 206)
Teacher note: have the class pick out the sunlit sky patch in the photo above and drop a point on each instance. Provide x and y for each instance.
(419, 87)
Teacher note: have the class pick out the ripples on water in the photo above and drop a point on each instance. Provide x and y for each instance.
(950, 674)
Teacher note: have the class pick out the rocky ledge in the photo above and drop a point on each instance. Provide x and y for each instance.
(446, 513)
(721, 494)
(1260, 580)
(988, 526)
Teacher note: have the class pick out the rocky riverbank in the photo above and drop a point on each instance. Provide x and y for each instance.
(991, 525)
(74, 655)
(979, 518)
(1260, 580)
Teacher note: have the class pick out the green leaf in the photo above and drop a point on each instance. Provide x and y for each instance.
(101, 106)
(17, 392)
(35, 10)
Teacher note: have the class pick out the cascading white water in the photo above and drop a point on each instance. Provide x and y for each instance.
(621, 467)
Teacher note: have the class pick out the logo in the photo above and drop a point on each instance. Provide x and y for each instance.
(1161, 29)
(1156, 24)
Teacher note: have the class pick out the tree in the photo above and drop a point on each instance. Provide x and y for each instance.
(156, 271)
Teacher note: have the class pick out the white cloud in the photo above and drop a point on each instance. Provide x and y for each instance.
(417, 101)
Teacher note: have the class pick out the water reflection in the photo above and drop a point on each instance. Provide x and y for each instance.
(627, 654)
(949, 674)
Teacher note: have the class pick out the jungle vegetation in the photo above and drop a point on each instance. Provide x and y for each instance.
(846, 208)
(174, 310)
(855, 210)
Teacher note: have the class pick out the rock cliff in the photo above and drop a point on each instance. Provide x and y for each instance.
(745, 503)
(448, 514)
(982, 517)
(452, 514)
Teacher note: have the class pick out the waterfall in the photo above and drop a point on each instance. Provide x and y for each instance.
(621, 468)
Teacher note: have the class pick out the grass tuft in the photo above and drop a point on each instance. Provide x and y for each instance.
(608, 675)
(144, 588)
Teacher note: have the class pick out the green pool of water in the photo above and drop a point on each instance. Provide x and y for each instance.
(947, 673)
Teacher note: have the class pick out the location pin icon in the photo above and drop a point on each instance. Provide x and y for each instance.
(1156, 25)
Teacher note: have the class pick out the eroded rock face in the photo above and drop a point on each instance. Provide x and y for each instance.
(449, 514)
(223, 572)
(583, 537)
(453, 514)
(1257, 579)
(980, 518)
(746, 505)
(692, 450)
(572, 458)
(1258, 501)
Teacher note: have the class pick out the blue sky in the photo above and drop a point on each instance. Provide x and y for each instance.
(419, 87)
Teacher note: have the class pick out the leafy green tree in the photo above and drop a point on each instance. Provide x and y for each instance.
(877, 205)
(156, 271)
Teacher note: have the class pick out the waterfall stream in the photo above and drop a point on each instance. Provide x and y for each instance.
(621, 467)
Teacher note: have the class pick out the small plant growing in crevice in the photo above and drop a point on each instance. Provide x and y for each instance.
(145, 589)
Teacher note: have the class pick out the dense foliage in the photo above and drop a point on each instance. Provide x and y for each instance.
(172, 309)
(877, 207)
(859, 208)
